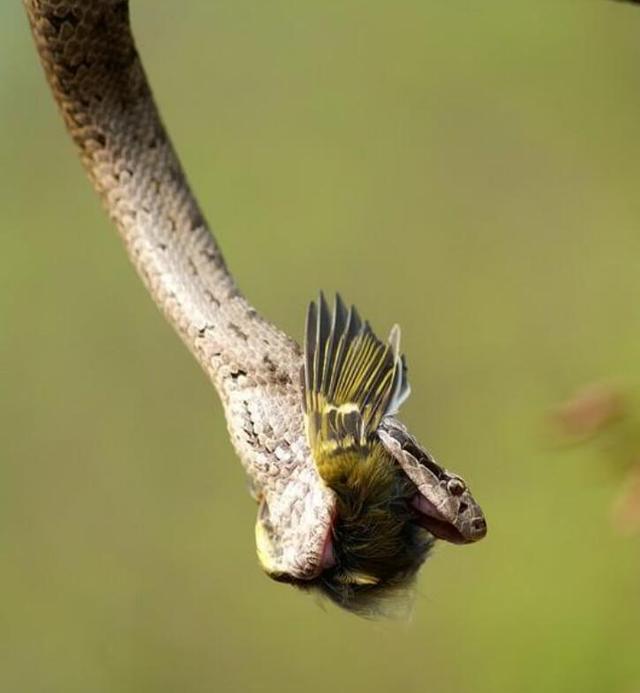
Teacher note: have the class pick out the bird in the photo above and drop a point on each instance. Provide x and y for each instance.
(389, 510)
(349, 503)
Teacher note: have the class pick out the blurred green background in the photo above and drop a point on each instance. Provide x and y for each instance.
(467, 169)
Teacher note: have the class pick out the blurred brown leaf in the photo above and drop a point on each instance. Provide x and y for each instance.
(589, 411)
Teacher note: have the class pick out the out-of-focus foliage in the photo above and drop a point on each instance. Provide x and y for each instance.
(592, 410)
(469, 170)
(602, 414)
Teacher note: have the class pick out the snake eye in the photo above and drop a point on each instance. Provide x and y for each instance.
(456, 486)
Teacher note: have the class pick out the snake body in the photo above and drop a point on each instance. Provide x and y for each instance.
(97, 79)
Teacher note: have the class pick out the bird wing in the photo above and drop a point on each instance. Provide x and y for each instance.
(351, 378)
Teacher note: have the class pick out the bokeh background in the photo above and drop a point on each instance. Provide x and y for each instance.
(469, 170)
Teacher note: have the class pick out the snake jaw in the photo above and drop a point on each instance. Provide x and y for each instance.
(437, 523)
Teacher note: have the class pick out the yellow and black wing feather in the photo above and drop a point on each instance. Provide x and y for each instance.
(351, 378)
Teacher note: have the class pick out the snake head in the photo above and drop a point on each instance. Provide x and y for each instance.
(445, 505)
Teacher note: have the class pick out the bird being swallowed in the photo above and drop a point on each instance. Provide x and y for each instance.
(392, 499)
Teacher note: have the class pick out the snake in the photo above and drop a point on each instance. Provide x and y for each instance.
(98, 81)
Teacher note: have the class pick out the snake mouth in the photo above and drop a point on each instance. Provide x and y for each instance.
(435, 522)
(441, 529)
